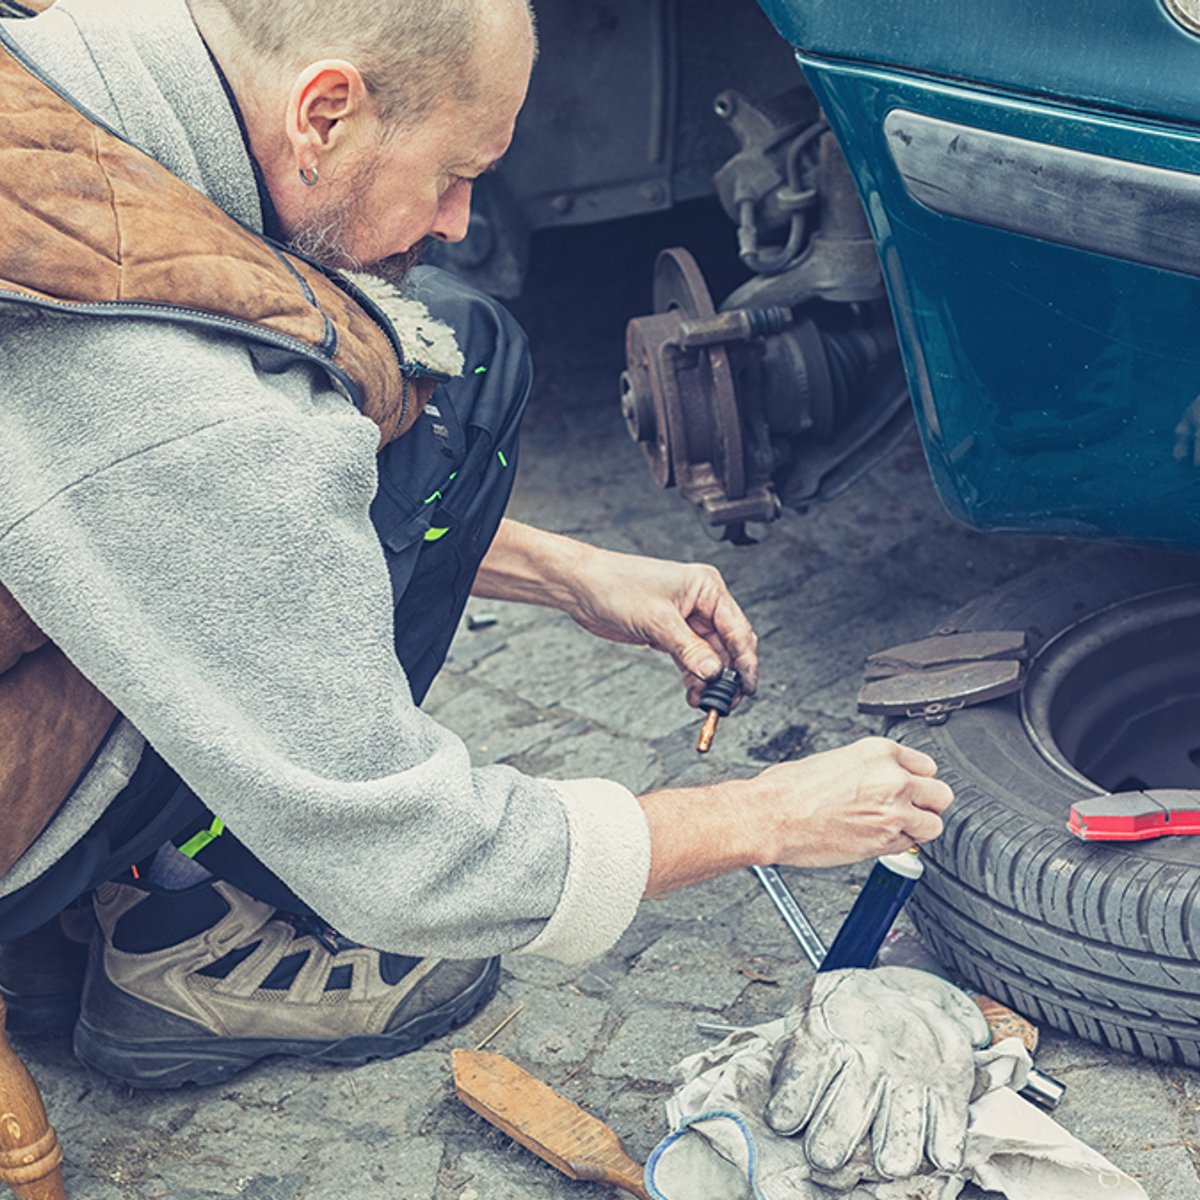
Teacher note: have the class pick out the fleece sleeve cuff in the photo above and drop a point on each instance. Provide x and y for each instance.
(606, 872)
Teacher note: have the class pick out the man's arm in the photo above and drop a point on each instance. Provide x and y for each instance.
(682, 609)
(872, 797)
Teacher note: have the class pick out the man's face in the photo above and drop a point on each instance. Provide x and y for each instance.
(334, 229)
(377, 207)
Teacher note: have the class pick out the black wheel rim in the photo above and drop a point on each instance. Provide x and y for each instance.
(1113, 701)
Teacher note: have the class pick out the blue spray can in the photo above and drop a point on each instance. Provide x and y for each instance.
(890, 883)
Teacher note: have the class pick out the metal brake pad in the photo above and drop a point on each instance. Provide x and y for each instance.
(939, 675)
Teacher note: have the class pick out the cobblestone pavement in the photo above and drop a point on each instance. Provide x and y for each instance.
(532, 690)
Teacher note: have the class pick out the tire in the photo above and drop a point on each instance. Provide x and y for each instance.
(1100, 940)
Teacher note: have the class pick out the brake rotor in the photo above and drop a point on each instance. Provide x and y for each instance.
(643, 396)
(708, 428)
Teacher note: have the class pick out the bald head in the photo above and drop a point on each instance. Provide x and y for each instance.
(410, 53)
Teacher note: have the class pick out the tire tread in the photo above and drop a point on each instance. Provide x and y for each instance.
(991, 866)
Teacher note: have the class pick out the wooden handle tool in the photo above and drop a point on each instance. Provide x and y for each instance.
(1005, 1023)
(30, 1156)
(576, 1143)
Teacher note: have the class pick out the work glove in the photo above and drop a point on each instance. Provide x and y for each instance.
(886, 1054)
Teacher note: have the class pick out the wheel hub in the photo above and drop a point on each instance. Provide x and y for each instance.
(678, 398)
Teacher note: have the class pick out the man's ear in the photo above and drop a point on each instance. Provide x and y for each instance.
(324, 100)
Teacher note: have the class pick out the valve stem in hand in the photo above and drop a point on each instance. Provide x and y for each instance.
(717, 701)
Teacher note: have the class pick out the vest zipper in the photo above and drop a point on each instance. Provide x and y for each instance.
(198, 316)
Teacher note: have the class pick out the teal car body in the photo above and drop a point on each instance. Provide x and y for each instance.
(1031, 175)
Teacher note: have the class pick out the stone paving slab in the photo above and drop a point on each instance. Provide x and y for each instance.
(880, 565)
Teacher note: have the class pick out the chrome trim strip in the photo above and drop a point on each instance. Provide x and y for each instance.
(1122, 209)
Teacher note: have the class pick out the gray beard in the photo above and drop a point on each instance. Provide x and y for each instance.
(323, 239)
(395, 268)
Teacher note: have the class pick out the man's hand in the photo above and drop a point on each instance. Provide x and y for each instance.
(870, 798)
(683, 609)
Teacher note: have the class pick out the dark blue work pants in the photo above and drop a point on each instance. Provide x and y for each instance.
(443, 488)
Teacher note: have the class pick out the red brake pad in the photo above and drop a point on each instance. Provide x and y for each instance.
(1136, 816)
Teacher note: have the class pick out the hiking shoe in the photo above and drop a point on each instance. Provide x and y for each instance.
(193, 986)
(41, 975)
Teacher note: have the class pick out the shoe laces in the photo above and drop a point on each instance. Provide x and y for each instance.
(310, 925)
(392, 967)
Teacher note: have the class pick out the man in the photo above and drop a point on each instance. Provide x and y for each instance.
(238, 529)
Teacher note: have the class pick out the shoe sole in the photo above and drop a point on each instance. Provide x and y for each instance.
(170, 1063)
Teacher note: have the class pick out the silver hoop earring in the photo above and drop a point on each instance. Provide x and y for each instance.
(309, 176)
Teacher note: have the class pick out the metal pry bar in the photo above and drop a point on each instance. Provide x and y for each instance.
(792, 914)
